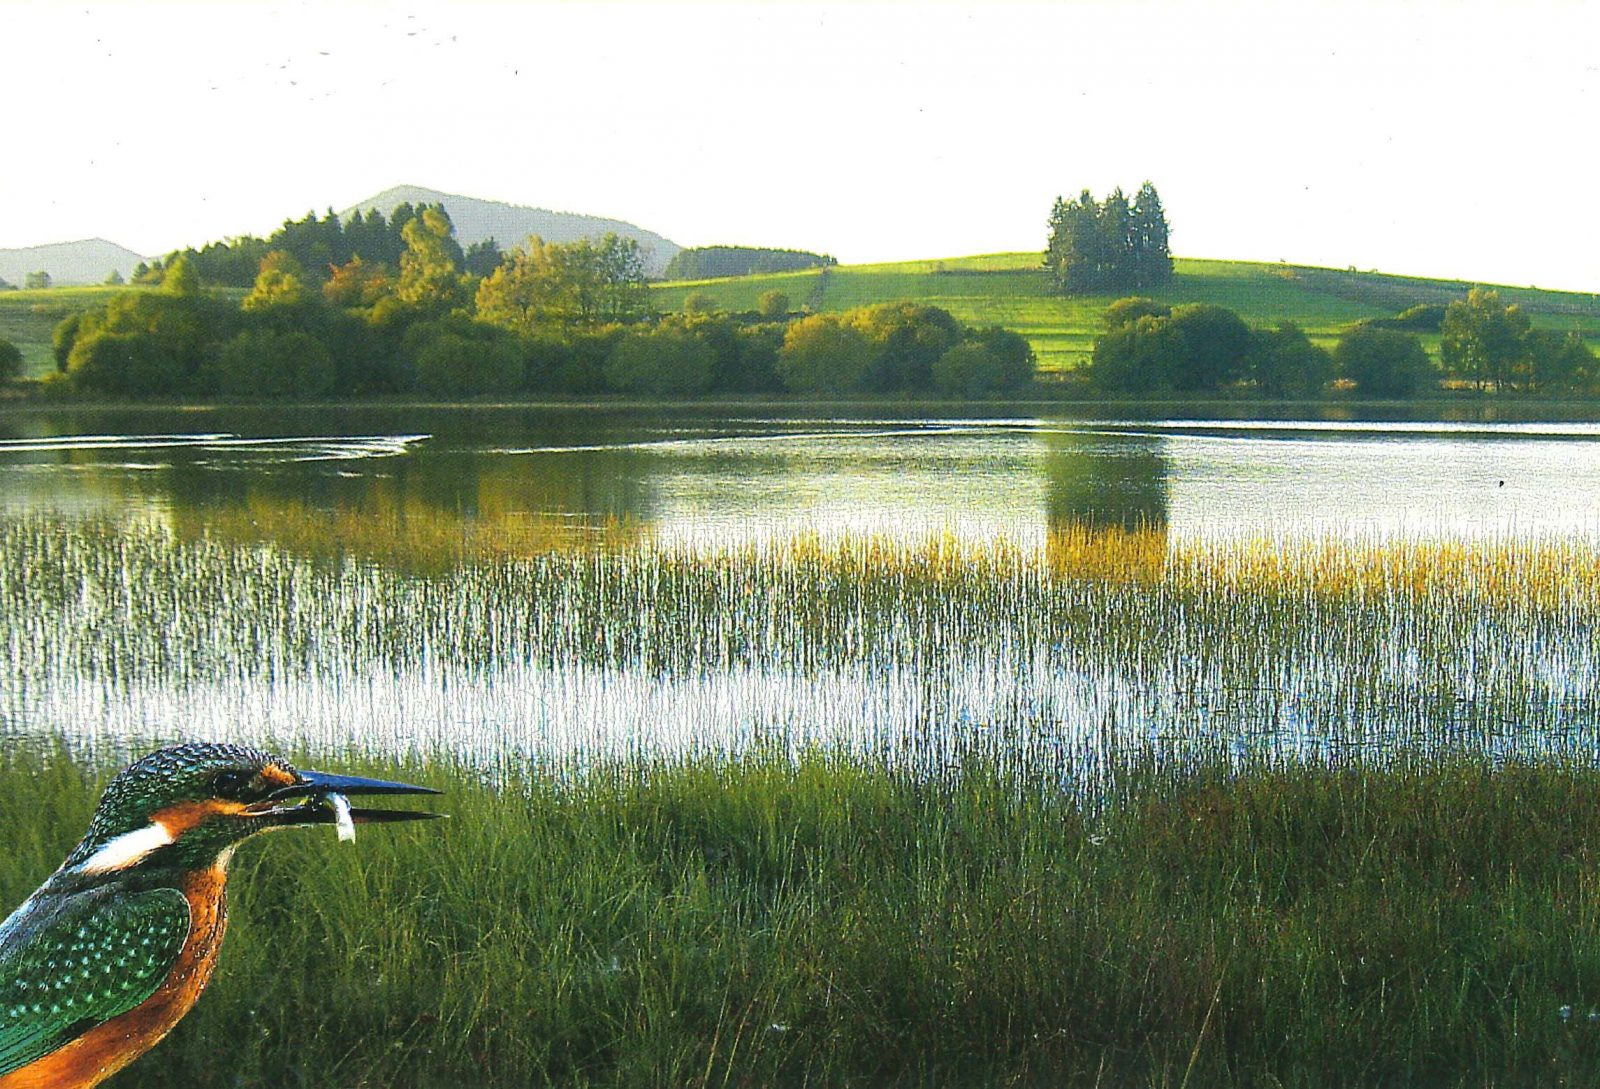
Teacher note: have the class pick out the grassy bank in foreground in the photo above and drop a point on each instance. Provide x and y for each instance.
(822, 921)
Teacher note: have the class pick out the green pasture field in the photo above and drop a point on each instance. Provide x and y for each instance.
(1010, 290)
(27, 319)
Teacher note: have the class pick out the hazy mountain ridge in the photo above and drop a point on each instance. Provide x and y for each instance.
(88, 261)
(511, 224)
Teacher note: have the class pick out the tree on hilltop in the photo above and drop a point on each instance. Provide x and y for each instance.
(1152, 254)
(1111, 245)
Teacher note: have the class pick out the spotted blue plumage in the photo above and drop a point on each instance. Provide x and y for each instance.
(70, 963)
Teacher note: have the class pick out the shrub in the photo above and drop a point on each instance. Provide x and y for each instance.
(1284, 363)
(1134, 358)
(968, 370)
(773, 305)
(698, 302)
(824, 354)
(667, 360)
(1129, 310)
(456, 357)
(907, 337)
(1383, 362)
(134, 364)
(62, 337)
(10, 361)
(1013, 352)
(264, 363)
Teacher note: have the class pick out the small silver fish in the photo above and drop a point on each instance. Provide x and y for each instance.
(342, 819)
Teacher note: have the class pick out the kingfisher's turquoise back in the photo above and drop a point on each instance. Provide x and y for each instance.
(68, 963)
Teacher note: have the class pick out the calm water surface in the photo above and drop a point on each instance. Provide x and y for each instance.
(168, 596)
(692, 476)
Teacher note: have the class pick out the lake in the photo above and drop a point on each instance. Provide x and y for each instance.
(287, 578)
(692, 476)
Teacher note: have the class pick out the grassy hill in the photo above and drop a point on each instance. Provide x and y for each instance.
(1008, 289)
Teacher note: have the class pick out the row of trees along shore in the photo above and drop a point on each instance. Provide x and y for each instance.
(1148, 348)
(561, 318)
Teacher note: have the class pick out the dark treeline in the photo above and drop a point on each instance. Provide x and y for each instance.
(320, 245)
(569, 318)
(709, 262)
(1099, 247)
(1148, 348)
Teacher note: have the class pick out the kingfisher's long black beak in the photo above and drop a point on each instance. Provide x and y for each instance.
(319, 784)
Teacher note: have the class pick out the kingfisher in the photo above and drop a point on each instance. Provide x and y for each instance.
(115, 947)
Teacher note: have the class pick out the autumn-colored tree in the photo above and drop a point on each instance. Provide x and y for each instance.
(281, 282)
(357, 283)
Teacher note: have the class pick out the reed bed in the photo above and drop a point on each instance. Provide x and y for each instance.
(1102, 809)
(129, 634)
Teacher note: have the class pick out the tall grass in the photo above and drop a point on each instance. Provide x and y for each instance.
(823, 920)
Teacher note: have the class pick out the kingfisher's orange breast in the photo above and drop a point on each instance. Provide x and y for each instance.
(107, 1048)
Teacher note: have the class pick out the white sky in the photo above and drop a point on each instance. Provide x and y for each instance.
(1438, 138)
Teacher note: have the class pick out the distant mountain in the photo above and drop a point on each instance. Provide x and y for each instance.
(511, 224)
(86, 262)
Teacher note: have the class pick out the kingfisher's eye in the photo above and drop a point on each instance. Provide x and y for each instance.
(232, 783)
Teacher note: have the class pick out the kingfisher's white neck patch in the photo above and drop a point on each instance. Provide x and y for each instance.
(127, 849)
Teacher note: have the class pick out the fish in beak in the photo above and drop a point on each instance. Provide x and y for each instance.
(322, 798)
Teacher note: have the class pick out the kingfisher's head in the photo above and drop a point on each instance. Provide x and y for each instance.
(188, 806)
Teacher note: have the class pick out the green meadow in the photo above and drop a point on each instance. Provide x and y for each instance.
(28, 318)
(824, 921)
(1010, 290)
(1341, 827)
